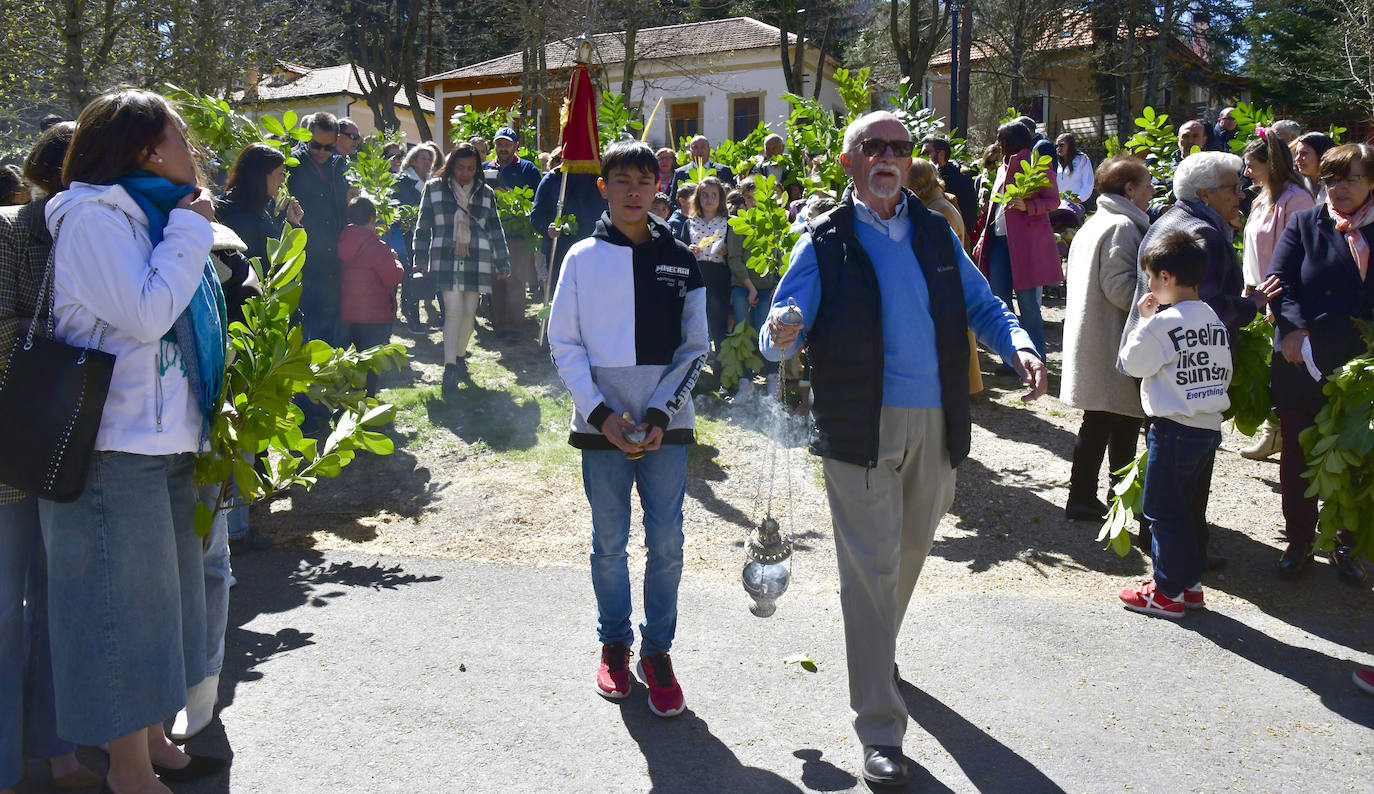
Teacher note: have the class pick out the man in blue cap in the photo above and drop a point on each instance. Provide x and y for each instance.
(504, 172)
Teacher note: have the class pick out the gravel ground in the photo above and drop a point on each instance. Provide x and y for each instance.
(443, 496)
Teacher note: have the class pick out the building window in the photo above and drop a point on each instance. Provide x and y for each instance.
(684, 121)
(746, 115)
(1037, 106)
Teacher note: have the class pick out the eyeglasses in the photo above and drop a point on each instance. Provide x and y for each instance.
(1350, 180)
(355, 137)
(1234, 187)
(749, 187)
(317, 146)
(875, 147)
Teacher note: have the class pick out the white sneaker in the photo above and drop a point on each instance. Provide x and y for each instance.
(200, 709)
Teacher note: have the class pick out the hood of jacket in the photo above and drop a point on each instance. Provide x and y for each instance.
(1120, 205)
(80, 193)
(660, 233)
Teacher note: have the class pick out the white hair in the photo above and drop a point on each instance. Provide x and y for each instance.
(1287, 129)
(1204, 171)
(851, 133)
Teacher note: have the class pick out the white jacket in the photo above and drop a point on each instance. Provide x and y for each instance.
(107, 269)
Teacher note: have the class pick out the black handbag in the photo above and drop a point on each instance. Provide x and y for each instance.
(51, 398)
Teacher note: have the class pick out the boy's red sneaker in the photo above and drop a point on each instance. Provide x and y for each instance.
(1149, 601)
(1364, 679)
(665, 696)
(1192, 597)
(613, 676)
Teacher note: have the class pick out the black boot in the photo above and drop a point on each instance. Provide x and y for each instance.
(884, 765)
(449, 384)
(1294, 561)
(1349, 567)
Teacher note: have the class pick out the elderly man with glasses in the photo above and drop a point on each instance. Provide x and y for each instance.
(887, 297)
(1209, 192)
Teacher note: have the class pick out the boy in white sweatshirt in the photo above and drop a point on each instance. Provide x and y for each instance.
(628, 334)
(1181, 352)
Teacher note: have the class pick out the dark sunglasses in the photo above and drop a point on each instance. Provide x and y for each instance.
(355, 137)
(874, 147)
(317, 146)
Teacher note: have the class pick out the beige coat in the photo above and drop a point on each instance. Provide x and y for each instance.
(1101, 285)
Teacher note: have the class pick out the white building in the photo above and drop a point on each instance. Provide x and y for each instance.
(717, 78)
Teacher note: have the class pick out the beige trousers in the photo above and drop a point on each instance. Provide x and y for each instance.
(460, 316)
(885, 520)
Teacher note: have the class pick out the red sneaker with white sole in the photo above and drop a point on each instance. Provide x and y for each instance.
(1192, 597)
(613, 676)
(1364, 679)
(665, 696)
(1147, 600)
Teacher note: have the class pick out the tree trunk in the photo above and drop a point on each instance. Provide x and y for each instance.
(627, 78)
(784, 49)
(960, 114)
(820, 56)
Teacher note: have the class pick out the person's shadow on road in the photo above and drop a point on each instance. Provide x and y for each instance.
(1326, 676)
(989, 764)
(684, 756)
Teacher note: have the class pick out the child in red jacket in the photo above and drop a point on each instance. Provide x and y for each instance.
(370, 275)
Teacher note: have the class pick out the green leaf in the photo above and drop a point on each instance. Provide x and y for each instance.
(807, 663)
(205, 517)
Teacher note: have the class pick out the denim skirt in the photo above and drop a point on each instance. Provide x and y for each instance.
(126, 596)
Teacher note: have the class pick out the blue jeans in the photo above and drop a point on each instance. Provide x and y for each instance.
(217, 573)
(28, 726)
(757, 315)
(126, 595)
(607, 476)
(321, 305)
(1177, 473)
(1027, 300)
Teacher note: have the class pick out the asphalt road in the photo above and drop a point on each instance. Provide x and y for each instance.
(348, 673)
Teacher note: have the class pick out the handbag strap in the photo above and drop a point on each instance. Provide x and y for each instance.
(49, 287)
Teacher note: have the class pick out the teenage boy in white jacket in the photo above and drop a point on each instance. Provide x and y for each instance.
(627, 331)
(1182, 353)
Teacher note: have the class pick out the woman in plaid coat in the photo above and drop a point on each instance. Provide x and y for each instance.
(459, 239)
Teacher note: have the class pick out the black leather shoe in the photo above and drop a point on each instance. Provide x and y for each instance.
(1349, 567)
(1213, 562)
(883, 764)
(1294, 561)
(1085, 511)
(201, 766)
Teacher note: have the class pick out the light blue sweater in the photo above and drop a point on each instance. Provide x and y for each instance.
(911, 372)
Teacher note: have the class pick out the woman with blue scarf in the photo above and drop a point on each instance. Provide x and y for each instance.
(132, 239)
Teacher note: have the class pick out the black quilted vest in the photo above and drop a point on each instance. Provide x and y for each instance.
(845, 343)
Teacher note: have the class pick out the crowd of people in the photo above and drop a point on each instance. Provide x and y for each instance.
(113, 611)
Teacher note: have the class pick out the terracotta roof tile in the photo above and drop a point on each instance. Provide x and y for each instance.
(672, 41)
(325, 81)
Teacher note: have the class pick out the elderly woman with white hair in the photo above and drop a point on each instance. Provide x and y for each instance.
(1208, 188)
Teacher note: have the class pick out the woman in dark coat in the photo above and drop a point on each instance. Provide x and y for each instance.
(1322, 259)
(247, 206)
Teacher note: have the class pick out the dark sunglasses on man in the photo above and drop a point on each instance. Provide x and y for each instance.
(355, 137)
(874, 147)
(317, 146)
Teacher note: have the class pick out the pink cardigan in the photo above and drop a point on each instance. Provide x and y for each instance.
(1034, 253)
(1264, 226)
